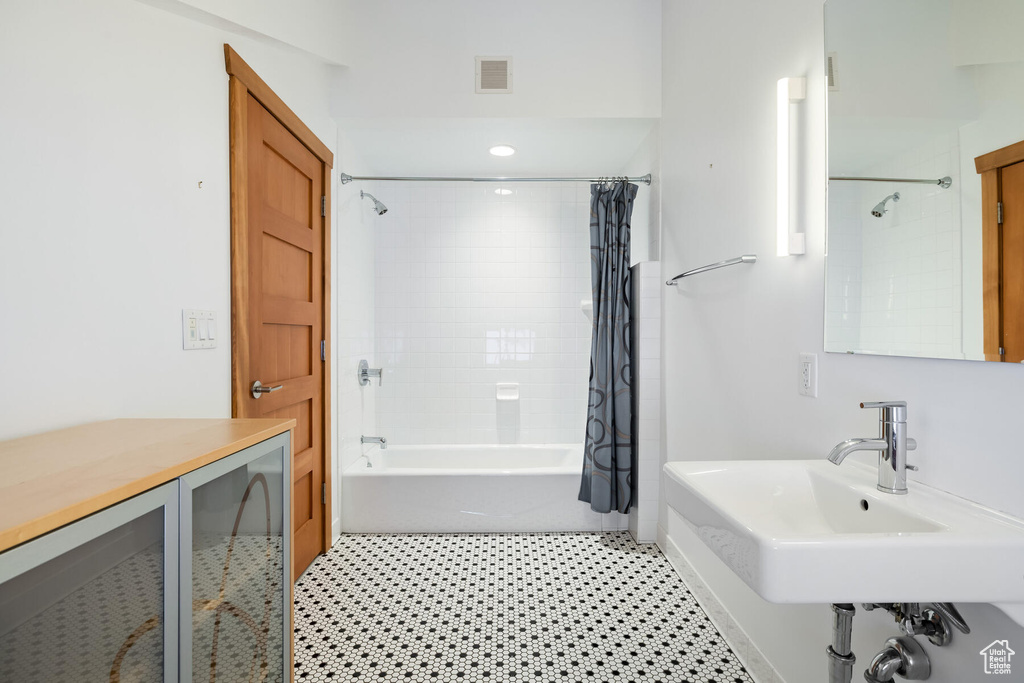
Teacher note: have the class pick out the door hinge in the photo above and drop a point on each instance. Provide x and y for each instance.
(1002, 351)
(323, 493)
(999, 213)
(323, 206)
(323, 350)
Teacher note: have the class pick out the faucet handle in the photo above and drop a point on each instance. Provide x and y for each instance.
(883, 404)
(365, 372)
(891, 411)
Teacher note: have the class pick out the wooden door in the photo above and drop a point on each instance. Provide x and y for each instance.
(280, 293)
(1012, 263)
(286, 309)
(1002, 190)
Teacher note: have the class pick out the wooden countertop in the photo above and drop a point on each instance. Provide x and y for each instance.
(52, 479)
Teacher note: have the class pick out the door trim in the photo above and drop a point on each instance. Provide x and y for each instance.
(990, 167)
(242, 83)
(259, 89)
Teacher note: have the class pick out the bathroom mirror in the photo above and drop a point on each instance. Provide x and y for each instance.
(924, 90)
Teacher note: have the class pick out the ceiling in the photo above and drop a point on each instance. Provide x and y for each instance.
(459, 146)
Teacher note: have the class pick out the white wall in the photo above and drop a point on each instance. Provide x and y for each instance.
(545, 147)
(984, 31)
(473, 289)
(731, 337)
(645, 226)
(313, 30)
(418, 58)
(113, 112)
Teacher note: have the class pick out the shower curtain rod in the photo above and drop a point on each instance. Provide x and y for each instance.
(645, 179)
(944, 182)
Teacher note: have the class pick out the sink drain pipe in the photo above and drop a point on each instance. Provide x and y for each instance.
(840, 653)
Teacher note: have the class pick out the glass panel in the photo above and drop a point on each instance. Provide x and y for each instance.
(237, 594)
(921, 90)
(94, 613)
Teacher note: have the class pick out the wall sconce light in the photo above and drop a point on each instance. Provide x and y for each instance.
(790, 90)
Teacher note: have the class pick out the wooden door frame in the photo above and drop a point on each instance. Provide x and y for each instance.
(990, 166)
(242, 83)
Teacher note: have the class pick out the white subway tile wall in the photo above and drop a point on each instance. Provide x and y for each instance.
(475, 288)
(896, 281)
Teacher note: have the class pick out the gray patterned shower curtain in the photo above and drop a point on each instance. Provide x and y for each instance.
(608, 448)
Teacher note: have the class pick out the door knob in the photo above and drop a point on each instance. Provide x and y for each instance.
(258, 389)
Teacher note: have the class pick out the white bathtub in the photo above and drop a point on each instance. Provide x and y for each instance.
(466, 488)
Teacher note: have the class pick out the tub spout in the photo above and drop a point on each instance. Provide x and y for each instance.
(379, 440)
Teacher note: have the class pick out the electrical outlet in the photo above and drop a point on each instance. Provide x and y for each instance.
(808, 378)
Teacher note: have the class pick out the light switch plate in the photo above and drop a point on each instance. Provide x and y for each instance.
(195, 329)
(807, 379)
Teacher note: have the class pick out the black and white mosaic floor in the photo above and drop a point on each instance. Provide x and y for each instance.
(461, 608)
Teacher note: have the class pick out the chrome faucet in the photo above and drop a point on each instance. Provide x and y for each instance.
(366, 372)
(892, 445)
(380, 440)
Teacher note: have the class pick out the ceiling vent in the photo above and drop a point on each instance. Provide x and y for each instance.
(494, 75)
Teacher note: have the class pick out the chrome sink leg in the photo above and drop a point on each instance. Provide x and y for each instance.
(840, 653)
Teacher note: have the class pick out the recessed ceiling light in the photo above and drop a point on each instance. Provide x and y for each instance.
(503, 150)
(503, 191)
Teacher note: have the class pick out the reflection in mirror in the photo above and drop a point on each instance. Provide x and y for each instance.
(922, 90)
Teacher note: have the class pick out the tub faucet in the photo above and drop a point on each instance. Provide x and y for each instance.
(380, 440)
(892, 445)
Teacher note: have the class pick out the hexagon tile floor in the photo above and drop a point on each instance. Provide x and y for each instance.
(468, 608)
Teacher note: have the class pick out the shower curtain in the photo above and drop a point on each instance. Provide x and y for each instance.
(607, 482)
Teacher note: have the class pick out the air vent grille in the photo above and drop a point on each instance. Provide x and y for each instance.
(832, 68)
(494, 75)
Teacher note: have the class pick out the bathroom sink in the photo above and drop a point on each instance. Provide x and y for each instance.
(806, 531)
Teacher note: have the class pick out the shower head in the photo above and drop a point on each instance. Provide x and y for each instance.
(377, 206)
(880, 209)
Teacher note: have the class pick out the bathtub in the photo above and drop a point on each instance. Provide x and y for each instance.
(463, 488)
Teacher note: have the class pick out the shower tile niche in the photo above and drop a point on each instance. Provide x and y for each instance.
(473, 289)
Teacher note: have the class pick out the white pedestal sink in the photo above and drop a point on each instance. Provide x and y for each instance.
(806, 531)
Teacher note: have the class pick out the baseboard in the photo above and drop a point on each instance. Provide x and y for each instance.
(756, 664)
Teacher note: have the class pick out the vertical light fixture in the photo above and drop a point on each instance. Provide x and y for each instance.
(789, 90)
